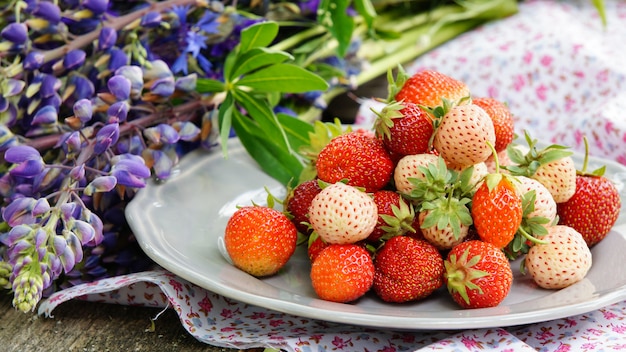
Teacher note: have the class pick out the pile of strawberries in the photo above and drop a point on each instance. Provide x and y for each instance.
(435, 194)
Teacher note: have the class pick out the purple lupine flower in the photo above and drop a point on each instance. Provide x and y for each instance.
(12, 87)
(27, 159)
(83, 87)
(162, 133)
(49, 85)
(118, 112)
(135, 75)
(83, 109)
(187, 131)
(48, 11)
(7, 138)
(23, 211)
(107, 38)
(78, 172)
(16, 234)
(73, 143)
(100, 184)
(16, 33)
(74, 59)
(45, 116)
(163, 86)
(151, 20)
(83, 231)
(119, 86)
(96, 223)
(33, 60)
(117, 59)
(187, 83)
(96, 6)
(130, 170)
(161, 163)
(106, 136)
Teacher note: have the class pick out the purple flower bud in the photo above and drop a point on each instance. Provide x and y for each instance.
(48, 11)
(83, 231)
(95, 222)
(96, 6)
(107, 38)
(73, 142)
(40, 237)
(33, 60)
(130, 170)
(187, 83)
(100, 184)
(158, 69)
(162, 133)
(119, 86)
(68, 210)
(68, 260)
(118, 59)
(59, 244)
(45, 116)
(74, 59)
(163, 86)
(27, 159)
(17, 233)
(161, 163)
(19, 248)
(55, 265)
(107, 136)
(78, 172)
(49, 85)
(117, 112)
(151, 20)
(16, 33)
(187, 131)
(135, 75)
(73, 243)
(83, 110)
(83, 87)
(12, 87)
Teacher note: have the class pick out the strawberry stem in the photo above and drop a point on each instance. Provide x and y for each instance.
(530, 237)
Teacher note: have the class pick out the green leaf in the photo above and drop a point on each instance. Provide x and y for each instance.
(258, 57)
(334, 16)
(366, 10)
(258, 35)
(262, 114)
(273, 159)
(207, 85)
(297, 130)
(284, 78)
(225, 118)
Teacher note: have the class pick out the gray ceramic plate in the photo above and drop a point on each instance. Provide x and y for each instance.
(179, 224)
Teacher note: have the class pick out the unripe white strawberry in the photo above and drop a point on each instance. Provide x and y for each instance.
(462, 136)
(480, 171)
(443, 238)
(563, 261)
(408, 167)
(559, 177)
(340, 214)
(545, 206)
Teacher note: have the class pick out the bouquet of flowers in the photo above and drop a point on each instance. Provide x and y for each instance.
(98, 96)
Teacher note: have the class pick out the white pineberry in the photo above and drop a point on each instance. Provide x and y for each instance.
(480, 171)
(545, 206)
(462, 136)
(559, 177)
(408, 167)
(340, 213)
(563, 261)
(443, 238)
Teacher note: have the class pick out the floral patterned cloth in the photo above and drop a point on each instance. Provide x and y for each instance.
(563, 76)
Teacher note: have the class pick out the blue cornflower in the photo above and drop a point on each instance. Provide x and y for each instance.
(209, 23)
(195, 42)
(181, 12)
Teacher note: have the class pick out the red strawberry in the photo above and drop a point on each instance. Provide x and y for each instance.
(407, 270)
(462, 135)
(563, 261)
(408, 167)
(502, 120)
(260, 240)
(404, 128)
(298, 202)
(342, 213)
(429, 88)
(342, 272)
(395, 216)
(594, 207)
(315, 246)
(477, 274)
(497, 210)
(357, 157)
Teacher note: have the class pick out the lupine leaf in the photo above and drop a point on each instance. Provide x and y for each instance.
(335, 18)
(258, 35)
(225, 118)
(207, 85)
(263, 115)
(257, 58)
(284, 78)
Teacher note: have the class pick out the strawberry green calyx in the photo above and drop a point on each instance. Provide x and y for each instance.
(460, 274)
(322, 133)
(400, 222)
(527, 164)
(394, 85)
(447, 212)
(530, 231)
(385, 118)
